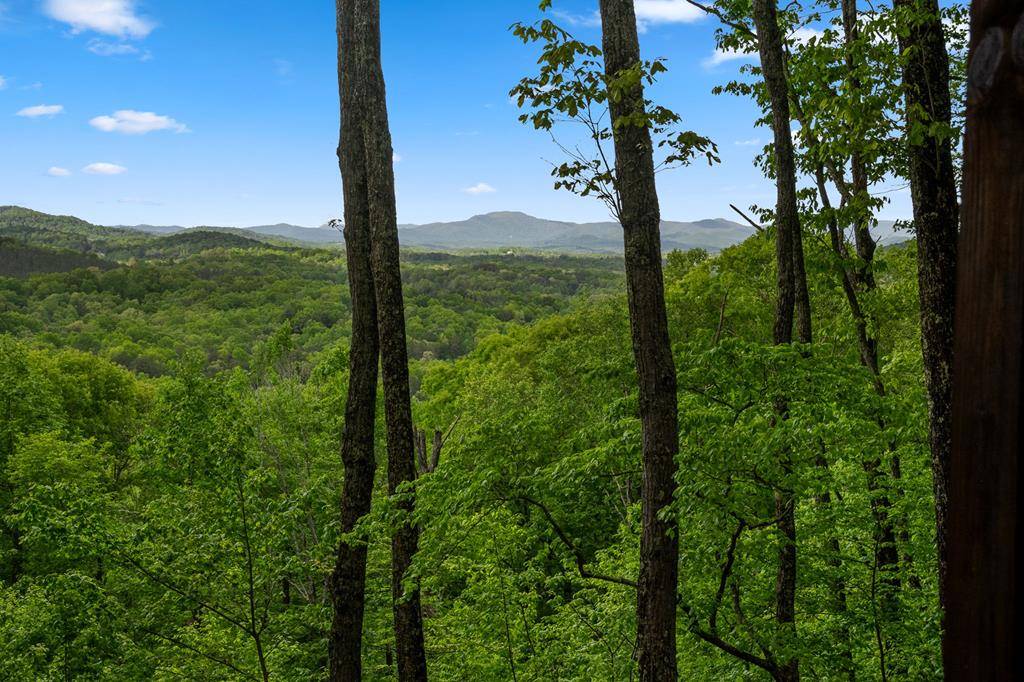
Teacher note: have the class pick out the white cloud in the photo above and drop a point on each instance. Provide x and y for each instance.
(647, 12)
(131, 122)
(752, 142)
(58, 172)
(720, 56)
(113, 17)
(589, 20)
(395, 157)
(803, 35)
(800, 36)
(666, 12)
(41, 110)
(102, 168)
(3, 82)
(480, 188)
(105, 49)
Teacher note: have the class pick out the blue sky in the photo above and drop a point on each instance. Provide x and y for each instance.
(196, 112)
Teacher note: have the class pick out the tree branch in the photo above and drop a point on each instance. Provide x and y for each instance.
(747, 218)
(714, 11)
(581, 563)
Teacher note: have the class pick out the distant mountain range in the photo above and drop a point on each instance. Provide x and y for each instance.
(509, 230)
(294, 233)
(514, 230)
(519, 230)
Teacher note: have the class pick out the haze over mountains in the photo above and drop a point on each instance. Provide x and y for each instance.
(512, 229)
(505, 230)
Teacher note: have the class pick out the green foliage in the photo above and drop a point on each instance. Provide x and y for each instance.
(572, 87)
(183, 527)
(847, 98)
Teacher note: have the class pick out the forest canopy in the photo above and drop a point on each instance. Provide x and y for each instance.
(126, 491)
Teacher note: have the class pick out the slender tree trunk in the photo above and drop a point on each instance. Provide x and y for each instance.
(936, 215)
(652, 351)
(984, 627)
(886, 551)
(348, 582)
(792, 289)
(863, 241)
(801, 294)
(387, 279)
(863, 277)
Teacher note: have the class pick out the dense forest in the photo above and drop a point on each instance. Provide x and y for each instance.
(226, 455)
(133, 489)
(144, 300)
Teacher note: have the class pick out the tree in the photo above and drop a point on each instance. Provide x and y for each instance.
(936, 217)
(983, 625)
(792, 293)
(652, 350)
(25, 405)
(610, 104)
(364, 108)
(348, 581)
(830, 148)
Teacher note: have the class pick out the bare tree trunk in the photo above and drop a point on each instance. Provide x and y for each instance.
(387, 279)
(426, 462)
(792, 288)
(984, 628)
(348, 582)
(933, 189)
(641, 221)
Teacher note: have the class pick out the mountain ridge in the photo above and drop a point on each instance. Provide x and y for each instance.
(506, 230)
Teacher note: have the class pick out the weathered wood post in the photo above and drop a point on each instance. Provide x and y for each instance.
(983, 639)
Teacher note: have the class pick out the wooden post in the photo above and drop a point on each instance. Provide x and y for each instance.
(983, 639)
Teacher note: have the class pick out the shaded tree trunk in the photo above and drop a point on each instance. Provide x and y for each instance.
(387, 279)
(984, 629)
(933, 190)
(348, 582)
(792, 293)
(641, 222)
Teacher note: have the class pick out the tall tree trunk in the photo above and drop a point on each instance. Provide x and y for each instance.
(984, 627)
(374, 273)
(652, 351)
(387, 278)
(863, 277)
(933, 190)
(348, 582)
(791, 285)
